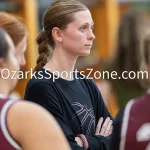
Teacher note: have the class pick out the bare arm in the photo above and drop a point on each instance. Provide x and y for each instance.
(34, 128)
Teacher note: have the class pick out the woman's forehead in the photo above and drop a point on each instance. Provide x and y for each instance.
(83, 17)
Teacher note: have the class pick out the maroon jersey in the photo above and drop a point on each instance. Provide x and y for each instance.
(135, 130)
(6, 141)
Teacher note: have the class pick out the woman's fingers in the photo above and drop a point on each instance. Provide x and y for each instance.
(108, 128)
(104, 126)
(98, 127)
(111, 130)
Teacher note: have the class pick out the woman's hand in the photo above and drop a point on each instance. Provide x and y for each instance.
(79, 141)
(106, 129)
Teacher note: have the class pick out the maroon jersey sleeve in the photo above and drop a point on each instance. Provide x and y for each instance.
(135, 128)
(6, 141)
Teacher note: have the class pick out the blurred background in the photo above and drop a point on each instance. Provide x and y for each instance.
(106, 15)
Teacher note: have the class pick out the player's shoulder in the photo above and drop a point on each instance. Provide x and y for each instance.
(143, 100)
(25, 108)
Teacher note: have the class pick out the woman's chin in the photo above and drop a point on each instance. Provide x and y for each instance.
(85, 53)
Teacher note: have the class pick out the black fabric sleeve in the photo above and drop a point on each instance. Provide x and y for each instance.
(101, 109)
(46, 96)
(98, 141)
(115, 139)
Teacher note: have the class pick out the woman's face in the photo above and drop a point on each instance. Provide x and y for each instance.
(78, 37)
(20, 51)
(10, 65)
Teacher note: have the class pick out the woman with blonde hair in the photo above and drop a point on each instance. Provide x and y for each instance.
(73, 99)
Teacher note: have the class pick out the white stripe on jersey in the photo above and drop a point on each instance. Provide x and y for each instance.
(3, 124)
(125, 124)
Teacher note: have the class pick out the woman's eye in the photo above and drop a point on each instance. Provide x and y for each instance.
(83, 27)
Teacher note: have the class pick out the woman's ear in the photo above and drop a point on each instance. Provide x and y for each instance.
(56, 33)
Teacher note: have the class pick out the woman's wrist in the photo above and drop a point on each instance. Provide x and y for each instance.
(84, 140)
(79, 141)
